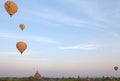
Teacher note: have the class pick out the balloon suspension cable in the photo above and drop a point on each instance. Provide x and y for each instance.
(10, 15)
(21, 53)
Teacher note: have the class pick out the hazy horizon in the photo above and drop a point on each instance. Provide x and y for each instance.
(67, 38)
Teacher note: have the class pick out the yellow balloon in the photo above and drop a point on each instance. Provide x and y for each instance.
(22, 26)
(11, 7)
(21, 46)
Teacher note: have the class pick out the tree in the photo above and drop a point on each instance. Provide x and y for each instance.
(78, 79)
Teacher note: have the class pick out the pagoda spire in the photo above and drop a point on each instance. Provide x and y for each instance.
(37, 75)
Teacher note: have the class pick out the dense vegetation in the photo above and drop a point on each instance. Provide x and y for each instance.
(60, 79)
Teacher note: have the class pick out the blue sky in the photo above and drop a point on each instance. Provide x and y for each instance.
(64, 38)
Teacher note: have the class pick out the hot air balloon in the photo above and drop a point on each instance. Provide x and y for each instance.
(21, 46)
(11, 7)
(115, 68)
(22, 26)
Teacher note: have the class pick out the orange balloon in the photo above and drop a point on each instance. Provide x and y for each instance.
(11, 7)
(21, 46)
(22, 26)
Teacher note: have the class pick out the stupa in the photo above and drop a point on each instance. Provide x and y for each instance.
(37, 75)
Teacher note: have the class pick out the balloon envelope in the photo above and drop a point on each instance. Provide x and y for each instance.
(21, 46)
(115, 68)
(11, 7)
(22, 26)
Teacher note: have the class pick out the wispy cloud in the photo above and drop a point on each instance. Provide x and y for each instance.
(8, 53)
(56, 16)
(17, 56)
(100, 18)
(81, 47)
(95, 22)
(34, 59)
(28, 37)
(115, 34)
(93, 9)
(7, 35)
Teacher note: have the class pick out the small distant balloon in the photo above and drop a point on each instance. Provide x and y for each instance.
(21, 46)
(11, 7)
(22, 26)
(115, 68)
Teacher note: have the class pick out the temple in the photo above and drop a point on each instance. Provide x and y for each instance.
(37, 75)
